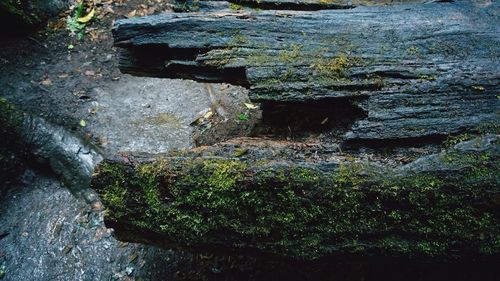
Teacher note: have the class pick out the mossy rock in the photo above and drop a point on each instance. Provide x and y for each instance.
(443, 206)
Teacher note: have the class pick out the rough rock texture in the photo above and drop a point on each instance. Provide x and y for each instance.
(154, 115)
(32, 139)
(418, 70)
(443, 206)
(12, 152)
(404, 74)
(46, 233)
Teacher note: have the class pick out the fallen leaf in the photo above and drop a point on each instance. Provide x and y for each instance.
(240, 152)
(133, 257)
(83, 123)
(63, 76)
(89, 73)
(67, 249)
(208, 115)
(46, 82)
(71, 47)
(251, 106)
(87, 18)
(132, 14)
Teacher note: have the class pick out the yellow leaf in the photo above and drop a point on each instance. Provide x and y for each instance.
(132, 13)
(208, 115)
(87, 18)
(250, 106)
(83, 123)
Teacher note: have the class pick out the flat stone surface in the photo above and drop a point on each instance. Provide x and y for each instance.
(146, 114)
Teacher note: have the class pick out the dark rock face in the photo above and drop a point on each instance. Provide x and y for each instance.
(32, 139)
(12, 152)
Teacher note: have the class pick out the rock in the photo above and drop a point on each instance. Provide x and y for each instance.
(41, 201)
(440, 207)
(416, 70)
(12, 152)
(35, 140)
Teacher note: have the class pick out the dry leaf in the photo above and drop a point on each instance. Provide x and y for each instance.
(46, 82)
(132, 14)
(251, 106)
(87, 18)
(208, 115)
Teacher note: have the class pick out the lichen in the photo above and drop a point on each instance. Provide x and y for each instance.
(335, 68)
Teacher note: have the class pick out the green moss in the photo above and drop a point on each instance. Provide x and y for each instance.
(235, 6)
(115, 194)
(302, 213)
(335, 68)
(413, 51)
(237, 39)
(223, 174)
(290, 55)
(149, 177)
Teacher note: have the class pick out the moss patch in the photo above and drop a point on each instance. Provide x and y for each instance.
(302, 213)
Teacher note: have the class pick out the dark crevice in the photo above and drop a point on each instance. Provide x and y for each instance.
(396, 74)
(303, 119)
(158, 60)
(396, 142)
(235, 76)
(292, 5)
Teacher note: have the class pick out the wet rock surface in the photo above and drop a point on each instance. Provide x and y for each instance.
(417, 70)
(153, 115)
(48, 234)
(82, 98)
(76, 99)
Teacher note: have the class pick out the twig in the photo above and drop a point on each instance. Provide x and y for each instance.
(215, 105)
